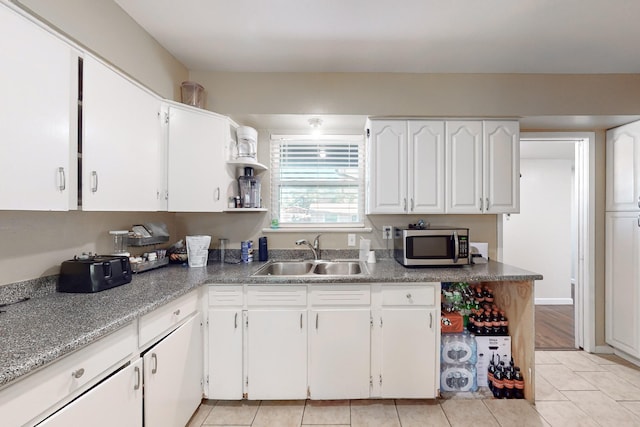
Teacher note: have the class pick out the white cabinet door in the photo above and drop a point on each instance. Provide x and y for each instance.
(115, 402)
(622, 281)
(36, 117)
(173, 376)
(276, 354)
(409, 351)
(464, 167)
(198, 177)
(225, 354)
(387, 151)
(426, 164)
(623, 168)
(502, 167)
(339, 358)
(121, 143)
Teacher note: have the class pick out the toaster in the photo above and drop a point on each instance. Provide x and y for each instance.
(93, 273)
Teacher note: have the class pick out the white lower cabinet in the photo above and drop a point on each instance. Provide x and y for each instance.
(276, 354)
(115, 402)
(340, 342)
(173, 376)
(409, 340)
(622, 281)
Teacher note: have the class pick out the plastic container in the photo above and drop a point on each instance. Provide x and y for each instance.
(192, 93)
(247, 142)
(120, 241)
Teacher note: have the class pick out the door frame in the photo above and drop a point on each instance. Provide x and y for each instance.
(584, 303)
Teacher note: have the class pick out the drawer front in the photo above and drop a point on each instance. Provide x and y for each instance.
(340, 294)
(165, 318)
(277, 296)
(424, 295)
(225, 296)
(44, 391)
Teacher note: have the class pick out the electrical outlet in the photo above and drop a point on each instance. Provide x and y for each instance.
(386, 232)
(351, 239)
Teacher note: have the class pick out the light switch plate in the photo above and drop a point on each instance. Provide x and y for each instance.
(351, 239)
(386, 232)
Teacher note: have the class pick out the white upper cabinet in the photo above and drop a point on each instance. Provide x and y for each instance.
(464, 167)
(406, 166)
(483, 167)
(37, 113)
(122, 155)
(198, 178)
(623, 168)
(502, 167)
(387, 158)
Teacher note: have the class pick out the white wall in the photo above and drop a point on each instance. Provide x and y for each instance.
(540, 237)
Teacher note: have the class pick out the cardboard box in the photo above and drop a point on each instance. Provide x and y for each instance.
(488, 346)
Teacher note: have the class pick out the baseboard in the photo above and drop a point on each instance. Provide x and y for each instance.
(604, 349)
(554, 301)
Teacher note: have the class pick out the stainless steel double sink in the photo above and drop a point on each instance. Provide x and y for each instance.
(310, 268)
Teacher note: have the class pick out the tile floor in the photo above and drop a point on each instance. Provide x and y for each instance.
(573, 388)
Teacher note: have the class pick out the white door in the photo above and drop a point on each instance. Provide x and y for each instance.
(426, 165)
(121, 143)
(387, 151)
(464, 167)
(501, 171)
(225, 354)
(622, 281)
(36, 118)
(409, 353)
(276, 354)
(339, 358)
(623, 168)
(115, 402)
(197, 175)
(173, 376)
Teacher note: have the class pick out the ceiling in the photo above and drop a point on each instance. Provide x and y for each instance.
(414, 36)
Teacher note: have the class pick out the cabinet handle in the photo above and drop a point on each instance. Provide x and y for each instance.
(77, 373)
(639, 202)
(235, 321)
(137, 371)
(301, 321)
(638, 220)
(481, 204)
(154, 357)
(404, 204)
(217, 193)
(487, 204)
(63, 179)
(430, 320)
(177, 312)
(408, 296)
(94, 181)
(381, 322)
(412, 205)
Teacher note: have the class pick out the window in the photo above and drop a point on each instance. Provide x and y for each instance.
(317, 181)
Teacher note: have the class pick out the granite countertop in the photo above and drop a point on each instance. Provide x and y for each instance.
(46, 327)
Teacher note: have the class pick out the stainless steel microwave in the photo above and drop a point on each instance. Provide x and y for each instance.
(433, 246)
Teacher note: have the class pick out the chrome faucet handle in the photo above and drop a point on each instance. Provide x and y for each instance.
(316, 241)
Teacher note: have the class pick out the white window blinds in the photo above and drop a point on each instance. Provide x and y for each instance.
(317, 181)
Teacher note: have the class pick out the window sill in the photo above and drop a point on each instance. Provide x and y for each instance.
(318, 230)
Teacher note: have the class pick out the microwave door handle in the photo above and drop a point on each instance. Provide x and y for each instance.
(456, 247)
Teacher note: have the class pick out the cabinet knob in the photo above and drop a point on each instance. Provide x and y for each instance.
(77, 373)
(408, 296)
(177, 312)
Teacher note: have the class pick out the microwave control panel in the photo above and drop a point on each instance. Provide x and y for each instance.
(463, 245)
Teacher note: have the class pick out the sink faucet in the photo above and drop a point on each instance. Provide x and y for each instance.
(315, 248)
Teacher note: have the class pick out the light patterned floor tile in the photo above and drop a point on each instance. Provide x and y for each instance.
(233, 412)
(374, 413)
(563, 378)
(327, 412)
(564, 414)
(464, 413)
(280, 413)
(201, 414)
(515, 413)
(421, 413)
(633, 407)
(546, 391)
(611, 384)
(603, 409)
(576, 361)
(545, 358)
(605, 359)
(631, 374)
